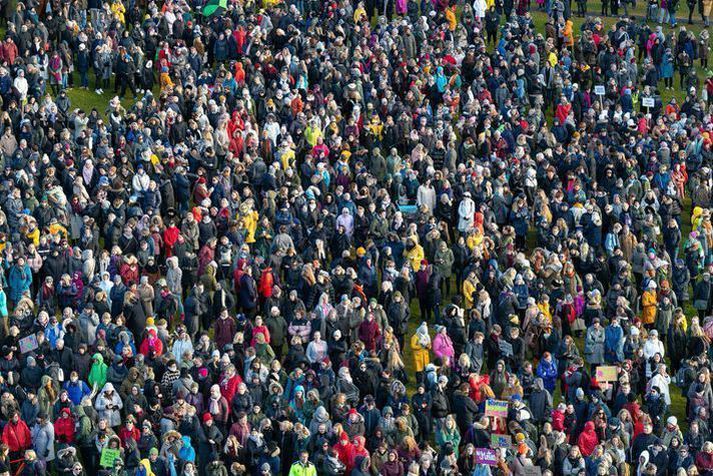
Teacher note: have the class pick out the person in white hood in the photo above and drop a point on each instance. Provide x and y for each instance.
(109, 405)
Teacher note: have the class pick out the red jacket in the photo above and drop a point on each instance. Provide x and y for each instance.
(558, 420)
(345, 451)
(64, 427)
(267, 280)
(170, 237)
(17, 436)
(229, 386)
(125, 434)
(9, 52)
(151, 342)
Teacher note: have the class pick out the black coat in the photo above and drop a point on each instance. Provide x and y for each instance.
(465, 409)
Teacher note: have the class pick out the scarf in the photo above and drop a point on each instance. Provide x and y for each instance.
(214, 405)
(87, 173)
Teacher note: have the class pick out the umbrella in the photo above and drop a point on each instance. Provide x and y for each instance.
(215, 6)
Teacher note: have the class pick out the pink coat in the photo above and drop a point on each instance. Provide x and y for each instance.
(443, 347)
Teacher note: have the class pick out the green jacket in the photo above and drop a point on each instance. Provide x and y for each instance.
(97, 374)
(298, 469)
(85, 427)
(443, 261)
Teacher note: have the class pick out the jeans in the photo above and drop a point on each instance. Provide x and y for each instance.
(663, 15)
(83, 79)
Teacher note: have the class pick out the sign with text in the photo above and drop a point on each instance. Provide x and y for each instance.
(108, 457)
(648, 102)
(28, 344)
(486, 456)
(606, 373)
(599, 90)
(500, 441)
(496, 408)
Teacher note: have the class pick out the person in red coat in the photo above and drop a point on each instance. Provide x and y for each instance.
(16, 435)
(259, 328)
(229, 382)
(345, 451)
(64, 427)
(129, 431)
(369, 332)
(170, 237)
(265, 285)
(151, 343)
(359, 450)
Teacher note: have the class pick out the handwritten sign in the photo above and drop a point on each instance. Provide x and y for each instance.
(648, 102)
(496, 408)
(500, 441)
(486, 456)
(599, 90)
(28, 344)
(606, 373)
(109, 456)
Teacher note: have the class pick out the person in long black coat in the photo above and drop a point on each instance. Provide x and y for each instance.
(134, 314)
(464, 407)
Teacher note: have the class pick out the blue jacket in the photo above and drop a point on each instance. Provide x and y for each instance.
(20, 281)
(547, 371)
(614, 344)
(77, 390)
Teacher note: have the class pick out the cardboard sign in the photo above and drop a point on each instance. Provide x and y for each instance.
(486, 456)
(648, 102)
(108, 457)
(606, 373)
(500, 441)
(28, 344)
(599, 90)
(496, 408)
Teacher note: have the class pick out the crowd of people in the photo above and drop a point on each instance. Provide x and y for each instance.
(334, 238)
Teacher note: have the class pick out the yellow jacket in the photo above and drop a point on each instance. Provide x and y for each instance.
(421, 354)
(451, 18)
(552, 58)
(147, 467)
(414, 256)
(250, 223)
(468, 290)
(311, 134)
(648, 305)
(298, 469)
(57, 228)
(118, 9)
(287, 159)
(474, 240)
(34, 235)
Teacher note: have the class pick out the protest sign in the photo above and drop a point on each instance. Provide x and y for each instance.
(496, 408)
(28, 344)
(606, 373)
(108, 457)
(486, 456)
